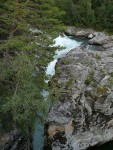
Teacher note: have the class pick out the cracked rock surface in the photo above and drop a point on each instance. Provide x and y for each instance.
(83, 115)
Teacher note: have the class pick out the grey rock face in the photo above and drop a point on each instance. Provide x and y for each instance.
(88, 33)
(102, 39)
(83, 116)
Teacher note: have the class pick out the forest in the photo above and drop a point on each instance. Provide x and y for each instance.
(96, 14)
(27, 29)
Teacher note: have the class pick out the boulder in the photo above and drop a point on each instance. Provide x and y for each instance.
(90, 36)
(100, 39)
(78, 32)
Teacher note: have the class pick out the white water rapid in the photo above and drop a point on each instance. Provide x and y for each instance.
(68, 43)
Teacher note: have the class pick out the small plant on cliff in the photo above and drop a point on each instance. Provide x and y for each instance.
(111, 82)
(87, 81)
(97, 56)
(55, 91)
(66, 62)
(69, 83)
(112, 55)
(94, 84)
(89, 78)
(57, 71)
(102, 90)
(111, 74)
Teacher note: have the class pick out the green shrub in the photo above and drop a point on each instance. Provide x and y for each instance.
(97, 56)
(66, 62)
(89, 78)
(102, 90)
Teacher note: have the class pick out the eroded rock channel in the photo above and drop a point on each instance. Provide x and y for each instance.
(83, 115)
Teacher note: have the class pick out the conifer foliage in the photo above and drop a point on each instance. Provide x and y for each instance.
(27, 29)
(88, 13)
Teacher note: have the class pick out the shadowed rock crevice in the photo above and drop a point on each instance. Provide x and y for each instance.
(106, 146)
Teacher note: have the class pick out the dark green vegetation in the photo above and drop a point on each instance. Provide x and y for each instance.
(88, 13)
(24, 55)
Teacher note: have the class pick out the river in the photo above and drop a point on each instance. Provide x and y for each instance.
(68, 43)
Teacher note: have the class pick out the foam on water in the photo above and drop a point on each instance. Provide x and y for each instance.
(68, 44)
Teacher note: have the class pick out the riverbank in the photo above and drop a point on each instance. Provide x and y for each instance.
(83, 116)
(95, 38)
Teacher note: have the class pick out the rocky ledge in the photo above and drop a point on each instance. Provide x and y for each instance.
(95, 38)
(83, 115)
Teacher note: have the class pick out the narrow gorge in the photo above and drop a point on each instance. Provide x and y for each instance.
(83, 114)
(56, 74)
(66, 43)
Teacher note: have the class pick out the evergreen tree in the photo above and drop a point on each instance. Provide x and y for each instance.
(83, 14)
(88, 13)
(67, 7)
(78, 12)
(109, 15)
(27, 29)
(103, 13)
